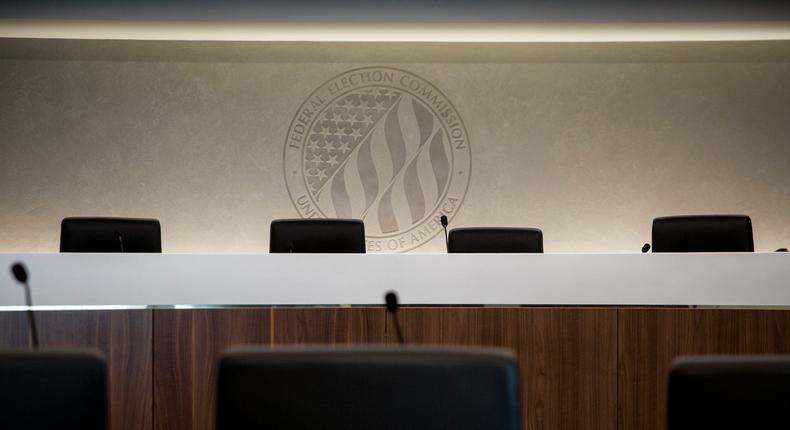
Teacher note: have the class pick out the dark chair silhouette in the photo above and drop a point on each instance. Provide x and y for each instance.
(317, 236)
(703, 233)
(362, 388)
(110, 235)
(747, 392)
(45, 390)
(495, 239)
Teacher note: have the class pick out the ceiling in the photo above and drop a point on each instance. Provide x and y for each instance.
(401, 10)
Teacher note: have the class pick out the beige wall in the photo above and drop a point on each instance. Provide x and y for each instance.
(586, 142)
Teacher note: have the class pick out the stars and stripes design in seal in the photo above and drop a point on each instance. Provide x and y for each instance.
(379, 155)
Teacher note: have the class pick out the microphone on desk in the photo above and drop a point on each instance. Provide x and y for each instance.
(391, 299)
(443, 220)
(119, 238)
(645, 248)
(20, 274)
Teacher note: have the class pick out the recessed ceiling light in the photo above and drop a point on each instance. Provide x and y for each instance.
(396, 32)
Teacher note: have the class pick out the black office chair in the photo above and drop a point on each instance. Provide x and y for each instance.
(702, 233)
(317, 236)
(495, 239)
(362, 388)
(45, 390)
(729, 393)
(110, 235)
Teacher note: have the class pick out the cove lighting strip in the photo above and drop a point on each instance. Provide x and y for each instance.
(396, 32)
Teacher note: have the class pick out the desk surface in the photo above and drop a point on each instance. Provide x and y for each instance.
(60, 281)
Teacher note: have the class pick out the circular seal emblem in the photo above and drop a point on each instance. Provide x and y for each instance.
(382, 145)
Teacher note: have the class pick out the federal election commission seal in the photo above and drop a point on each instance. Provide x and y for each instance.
(382, 145)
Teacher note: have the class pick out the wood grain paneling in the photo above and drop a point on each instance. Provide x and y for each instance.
(567, 356)
(186, 346)
(649, 339)
(327, 325)
(580, 367)
(124, 337)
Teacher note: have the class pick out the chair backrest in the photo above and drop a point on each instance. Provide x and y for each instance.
(729, 393)
(362, 388)
(495, 239)
(52, 390)
(110, 235)
(317, 236)
(703, 233)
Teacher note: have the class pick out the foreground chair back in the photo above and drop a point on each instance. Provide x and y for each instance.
(495, 239)
(368, 388)
(703, 233)
(46, 390)
(317, 236)
(110, 235)
(729, 393)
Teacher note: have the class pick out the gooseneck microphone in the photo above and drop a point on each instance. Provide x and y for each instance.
(645, 248)
(391, 299)
(119, 238)
(20, 274)
(443, 220)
